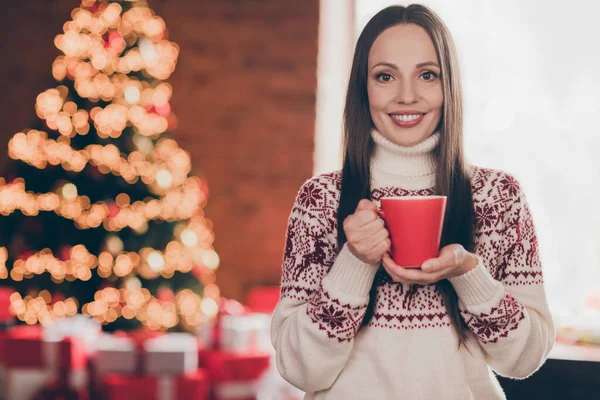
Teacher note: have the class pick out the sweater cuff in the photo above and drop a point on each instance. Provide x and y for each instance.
(350, 275)
(476, 286)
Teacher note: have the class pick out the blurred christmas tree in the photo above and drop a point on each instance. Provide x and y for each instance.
(98, 213)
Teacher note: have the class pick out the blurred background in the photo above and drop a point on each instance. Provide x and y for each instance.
(248, 97)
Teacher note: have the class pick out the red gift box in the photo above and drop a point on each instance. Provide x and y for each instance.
(235, 375)
(26, 349)
(263, 299)
(5, 315)
(193, 386)
(32, 362)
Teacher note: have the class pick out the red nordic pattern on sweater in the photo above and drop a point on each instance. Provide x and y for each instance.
(339, 320)
(499, 322)
(504, 238)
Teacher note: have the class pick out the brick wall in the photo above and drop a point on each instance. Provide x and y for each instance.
(244, 94)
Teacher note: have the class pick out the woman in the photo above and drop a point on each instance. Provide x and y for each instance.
(351, 324)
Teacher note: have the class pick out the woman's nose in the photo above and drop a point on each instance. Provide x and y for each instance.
(406, 92)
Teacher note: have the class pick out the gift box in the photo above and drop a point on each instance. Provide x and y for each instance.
(237, 328)
(236, 376)
(191, 386)
(33, 362)
(249, 332)
(263, 299)
(209, 331)
(6, 322)
(2, 368)
(146, 354)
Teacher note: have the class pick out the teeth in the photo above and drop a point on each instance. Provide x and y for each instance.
(406, 117)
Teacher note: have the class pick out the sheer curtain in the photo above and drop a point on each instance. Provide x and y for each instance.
(532, 104)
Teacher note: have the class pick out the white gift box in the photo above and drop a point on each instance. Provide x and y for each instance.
(249, 332)
(84, 328)
(114, 354)
(171, 354)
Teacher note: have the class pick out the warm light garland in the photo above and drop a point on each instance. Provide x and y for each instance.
(150, 118)
(148, 263)
(102, 45)
(167, 157)
(34, 309)
(178, 203)
(95, 61)
(3, 259)
(188, 308)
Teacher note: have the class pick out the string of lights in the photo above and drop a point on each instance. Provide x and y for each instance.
(115, 57)
(178, 203)
(165, 165)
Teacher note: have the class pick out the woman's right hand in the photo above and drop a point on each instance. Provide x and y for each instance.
(366, 235)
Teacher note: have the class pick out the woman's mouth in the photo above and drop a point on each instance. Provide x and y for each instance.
(407, 120)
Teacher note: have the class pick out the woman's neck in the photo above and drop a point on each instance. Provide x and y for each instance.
(411, 167)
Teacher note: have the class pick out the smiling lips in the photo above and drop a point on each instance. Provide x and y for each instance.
(407, 119)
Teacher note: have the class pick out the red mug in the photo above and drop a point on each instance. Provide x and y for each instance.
(415, 225)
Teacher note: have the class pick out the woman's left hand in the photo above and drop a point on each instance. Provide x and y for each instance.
(452, 261)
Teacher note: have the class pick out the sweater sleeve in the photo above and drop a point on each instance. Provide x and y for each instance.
(324, 295)
(509, 314)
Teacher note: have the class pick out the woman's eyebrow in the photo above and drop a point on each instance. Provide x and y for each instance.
(395, 67)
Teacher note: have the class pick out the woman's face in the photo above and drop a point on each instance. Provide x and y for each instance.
(404, 85)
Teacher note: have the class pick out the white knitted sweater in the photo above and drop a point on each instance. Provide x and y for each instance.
(409, 350)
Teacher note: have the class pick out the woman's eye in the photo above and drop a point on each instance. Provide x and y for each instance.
(383, 77)
(429, 76)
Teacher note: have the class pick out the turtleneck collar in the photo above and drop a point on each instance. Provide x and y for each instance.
(414, 162)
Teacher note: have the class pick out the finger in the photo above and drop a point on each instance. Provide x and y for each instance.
(371, 229)
(357, 233)
(359, 219)
(369, 244)
(391, 273)
(363, 217)
(446, 260)
(377, 240)
(412, 275)
(432, 265)
(365, 204)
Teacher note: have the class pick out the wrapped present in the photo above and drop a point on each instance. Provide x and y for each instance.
(33, 362)
(146, 354)
(249, 332)
(263, 299)
(209, 331)
(237, 328)
(6, 322)
(191, 386)
(60, 389)
(2, 368)
(6, 318)
(85, 329)
(235, 376)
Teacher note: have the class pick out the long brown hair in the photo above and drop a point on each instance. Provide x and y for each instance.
(452, 178)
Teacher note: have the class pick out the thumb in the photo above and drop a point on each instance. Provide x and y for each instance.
(365, 204)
